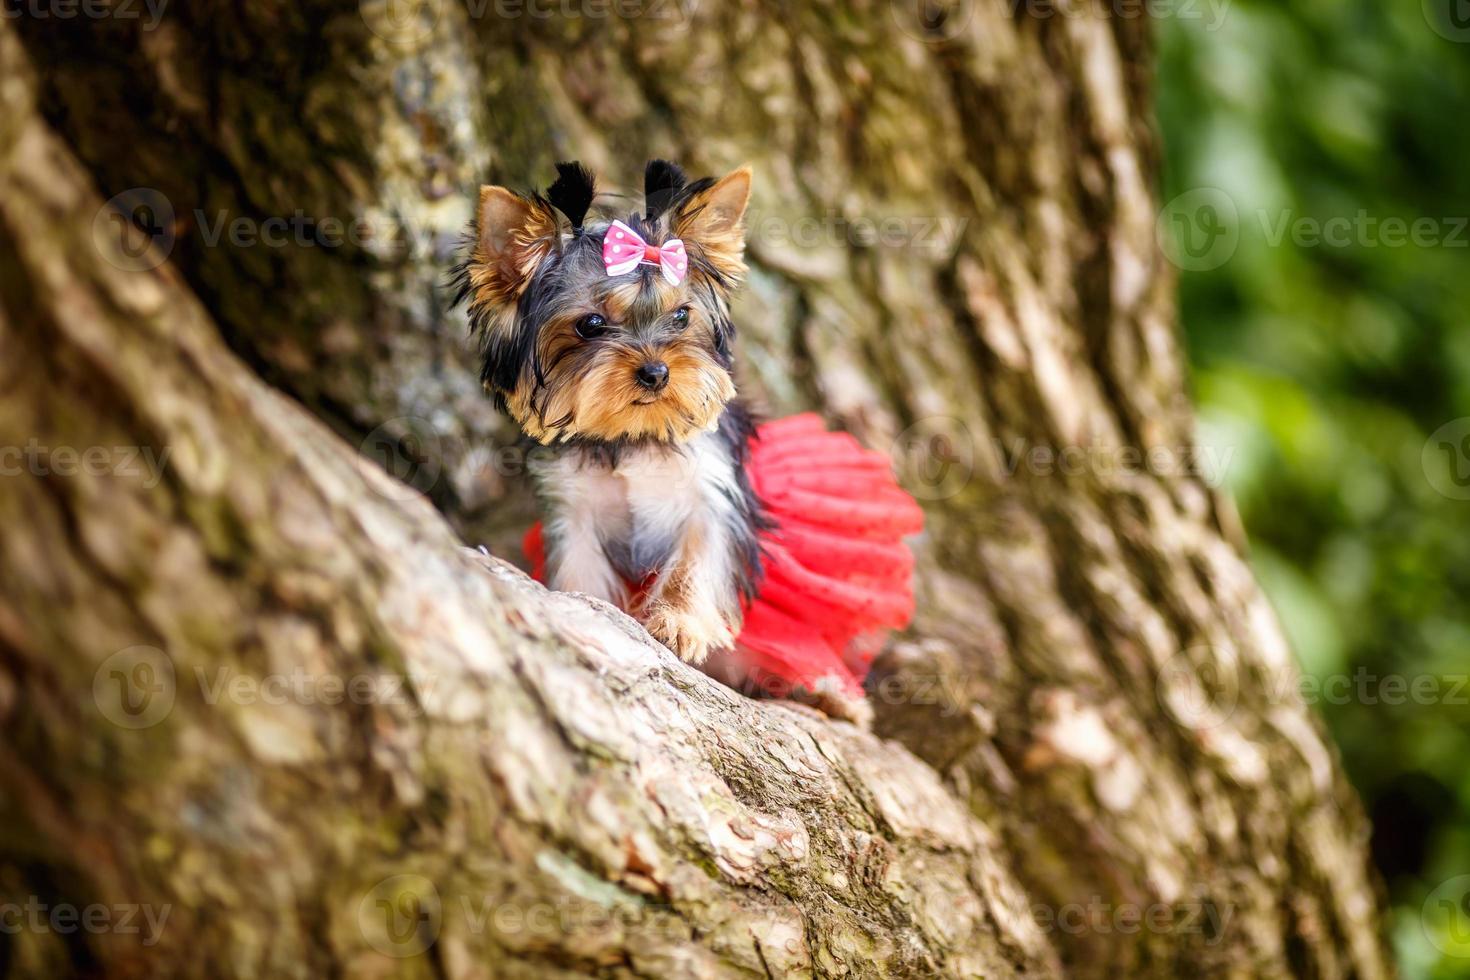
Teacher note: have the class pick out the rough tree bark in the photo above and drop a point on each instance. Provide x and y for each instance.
(953, 256)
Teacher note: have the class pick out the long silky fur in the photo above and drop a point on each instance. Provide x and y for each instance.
(737, 429)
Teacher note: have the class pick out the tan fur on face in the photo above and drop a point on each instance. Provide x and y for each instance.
(576, 387)
(696, 394)
(591, 390)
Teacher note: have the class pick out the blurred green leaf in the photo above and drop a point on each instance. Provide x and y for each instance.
(1323, 363)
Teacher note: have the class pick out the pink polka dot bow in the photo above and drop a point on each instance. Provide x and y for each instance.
(623, 250)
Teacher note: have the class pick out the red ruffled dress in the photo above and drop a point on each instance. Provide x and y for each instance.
(837, 573)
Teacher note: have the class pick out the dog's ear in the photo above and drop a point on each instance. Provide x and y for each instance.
(513, 234)
(712, 218)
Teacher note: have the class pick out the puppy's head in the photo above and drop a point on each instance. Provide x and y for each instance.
(603, 330)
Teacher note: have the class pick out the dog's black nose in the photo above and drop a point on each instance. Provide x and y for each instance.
(653, 375)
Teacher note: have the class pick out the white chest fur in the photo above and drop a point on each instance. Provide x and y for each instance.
(657, 510)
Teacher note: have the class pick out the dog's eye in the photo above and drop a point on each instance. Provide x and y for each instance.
(681, 316)
(591, 326)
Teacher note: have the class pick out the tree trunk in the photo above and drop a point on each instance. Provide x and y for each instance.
(1090, 757)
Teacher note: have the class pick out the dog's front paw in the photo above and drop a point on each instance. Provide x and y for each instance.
(692, 635)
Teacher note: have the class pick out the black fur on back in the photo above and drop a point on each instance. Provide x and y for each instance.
(737, 429)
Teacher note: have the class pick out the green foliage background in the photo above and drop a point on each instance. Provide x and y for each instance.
(1322, 368)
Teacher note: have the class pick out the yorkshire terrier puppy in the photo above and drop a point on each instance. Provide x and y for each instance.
(610, 345)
